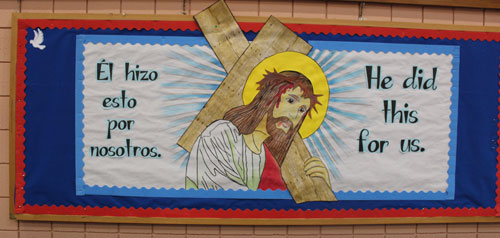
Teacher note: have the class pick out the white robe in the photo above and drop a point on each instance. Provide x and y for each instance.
(220, 159)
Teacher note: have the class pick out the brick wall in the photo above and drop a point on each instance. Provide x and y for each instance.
(280, 8)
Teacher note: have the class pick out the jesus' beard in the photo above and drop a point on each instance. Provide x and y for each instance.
(279, 141)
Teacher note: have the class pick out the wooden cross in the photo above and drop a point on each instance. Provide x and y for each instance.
(238, 58)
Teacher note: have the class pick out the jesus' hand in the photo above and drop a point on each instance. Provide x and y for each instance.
(314, 167)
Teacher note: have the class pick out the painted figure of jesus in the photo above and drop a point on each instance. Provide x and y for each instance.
(246, 148)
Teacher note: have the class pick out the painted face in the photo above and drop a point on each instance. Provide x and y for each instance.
(292, 106)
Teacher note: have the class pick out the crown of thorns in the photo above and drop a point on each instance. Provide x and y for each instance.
(273, 79)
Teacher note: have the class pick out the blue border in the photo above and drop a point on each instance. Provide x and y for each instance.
(83, 189)
(383, 47)
(133, 39)
(79, 115)
(259, 194)
(454, 50)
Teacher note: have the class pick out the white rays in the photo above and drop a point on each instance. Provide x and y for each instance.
(194, 73)
(343, 79)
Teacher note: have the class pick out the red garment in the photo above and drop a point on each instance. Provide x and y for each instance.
(271, 176)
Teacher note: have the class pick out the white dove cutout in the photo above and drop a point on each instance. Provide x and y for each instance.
(38, 39)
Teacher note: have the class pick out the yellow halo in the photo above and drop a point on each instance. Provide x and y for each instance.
(293, 61)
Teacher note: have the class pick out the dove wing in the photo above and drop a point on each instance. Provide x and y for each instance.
(35, 39)
(40, 36)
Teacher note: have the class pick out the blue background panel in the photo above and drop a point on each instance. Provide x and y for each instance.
(50, 132)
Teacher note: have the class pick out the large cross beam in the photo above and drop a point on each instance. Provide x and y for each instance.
(238, 57)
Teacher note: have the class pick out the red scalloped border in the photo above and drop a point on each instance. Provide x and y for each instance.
(20, 103)
(256, 214)
(20, 206)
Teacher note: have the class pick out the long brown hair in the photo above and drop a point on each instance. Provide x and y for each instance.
(247, 117)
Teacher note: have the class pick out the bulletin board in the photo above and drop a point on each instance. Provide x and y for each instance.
(264, 121)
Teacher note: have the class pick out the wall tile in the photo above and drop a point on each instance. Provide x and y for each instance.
(303, 230)
(488, 235)
(8, 234)
(171, 7)
(488, 227)
(462, 228)
(492, 17)
(70, 6)
(277, 8)
(200, 229)
(468, 16)
(4, 145)
(4, 180)
(62, 234)
(236, 230)
(376, 12)
(201, 236)
(431, 228)
(400, 236)
(136, 228)
(302, 236)
(272, 236)
(4, 79)
(369, 229)
(4, 116)
(270, 230)
(337, 230)
(431, 235)
(136, 235)
(336, 236)
(5, 222)
(68, 226)
(101, 227)
(104, 6)
(368, 236)
(199, 5)
(5, 45)
(37, 6)
(138, 6)
(101, 235)
(243, 7)
(235, 236)
(35, 234)
(401, 229)
(309, 9)
(169, 229)
(168, 236)
(438, 15)
(461, 235)
(406, 13)
(6, 9)
(342, 10)
(35, 226)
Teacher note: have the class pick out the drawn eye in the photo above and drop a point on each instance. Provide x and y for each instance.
(290, 100)
(302, 110)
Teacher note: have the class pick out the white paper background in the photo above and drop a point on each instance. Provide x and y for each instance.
(389, 171)
(151, 126)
